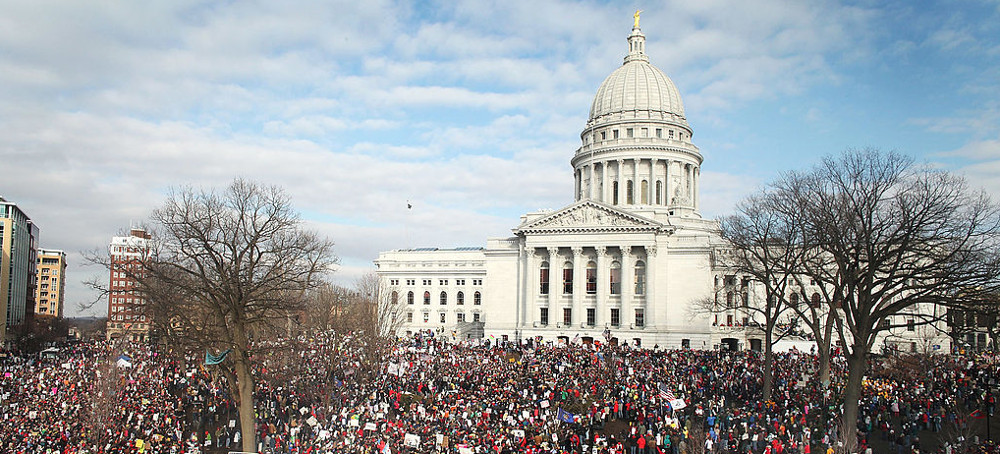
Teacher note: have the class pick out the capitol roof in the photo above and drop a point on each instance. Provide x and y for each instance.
(637, 90)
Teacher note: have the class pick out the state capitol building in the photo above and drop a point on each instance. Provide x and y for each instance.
(627, 262)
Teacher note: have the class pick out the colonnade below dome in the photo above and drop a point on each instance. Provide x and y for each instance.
(639, 181)
(591, 286)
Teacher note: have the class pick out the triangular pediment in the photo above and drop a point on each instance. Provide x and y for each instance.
(588, 215)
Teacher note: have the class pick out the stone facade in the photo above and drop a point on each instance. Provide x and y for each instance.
(626, 262)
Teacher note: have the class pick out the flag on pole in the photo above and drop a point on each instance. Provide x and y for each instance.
(211, 360)
(565, 416)
(665, 393)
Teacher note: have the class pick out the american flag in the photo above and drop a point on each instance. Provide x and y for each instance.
(665, 393)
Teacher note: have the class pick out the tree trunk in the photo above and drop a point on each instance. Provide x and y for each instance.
(824, 365)
(248, 422)
(823, 343)
(857, 363)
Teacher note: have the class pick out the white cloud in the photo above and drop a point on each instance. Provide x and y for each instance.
(471, 110)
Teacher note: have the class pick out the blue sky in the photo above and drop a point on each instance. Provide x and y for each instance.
(471, 110)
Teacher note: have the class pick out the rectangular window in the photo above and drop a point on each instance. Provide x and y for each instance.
(615, 134)
(645, 132)
(567, 281)
(393, 281)
(604, 135)
(629, 133)
(640, 318)
(443, 315)
(461, 317)
(567, 316)
(477, 282)
(411, 282)
(427, 317)
(409, 317)
(427, 282)
(475, 317)
(616, 319)
(910, 326)
(543, 316)
(591, 316)
(459, 281)
(442, 282)
(659, 133)
(670, 133)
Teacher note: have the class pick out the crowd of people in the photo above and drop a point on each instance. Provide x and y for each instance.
(335, 393)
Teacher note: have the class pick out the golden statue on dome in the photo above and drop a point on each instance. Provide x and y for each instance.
(636, 16)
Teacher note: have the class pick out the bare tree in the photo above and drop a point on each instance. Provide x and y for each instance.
(382, 306)
(228, 267)
(325, 308)
(898, 239)
(815, 302)
(764, 245)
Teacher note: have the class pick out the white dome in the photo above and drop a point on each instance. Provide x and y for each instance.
(637, 90)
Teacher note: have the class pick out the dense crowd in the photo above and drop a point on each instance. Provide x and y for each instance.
(326, 393)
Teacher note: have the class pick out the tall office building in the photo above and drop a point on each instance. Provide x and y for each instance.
(51, 280)
(18, 250)
(126, 315)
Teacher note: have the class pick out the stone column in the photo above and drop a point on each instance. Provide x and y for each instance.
(579, 289)
(689, 173)
(652, 181)
(666, 184)
(590, 181)
(628, 314)
(603, 273)
(555, 284)
(533, 284)
(636, 186)
(604, 182)
(578, 184)
(622, 190)
(652, 298)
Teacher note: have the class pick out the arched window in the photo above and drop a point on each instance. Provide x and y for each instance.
(477, 299)
(427, 297)
(460, 298)
(629, 190)
(591, 277)
(409, 298)
(729, 300)
(659, 191)
(567, 278)
(614, 193)
(395, 297)
(793, 298)
(616, 278)
(815, 299)
(444, 298)
(543, 279)
(640, 277)
(644, 192)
